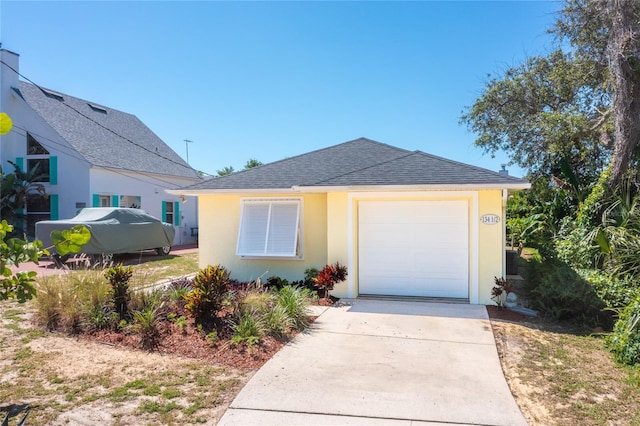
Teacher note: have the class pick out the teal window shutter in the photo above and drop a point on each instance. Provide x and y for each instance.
(164, 211)
(95, 202)
(53, 207)
(53, 170)
(176, 213)
(20, 163)
(115, 201)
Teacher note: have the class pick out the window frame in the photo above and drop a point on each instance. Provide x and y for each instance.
(37, 153)
(32, 215)
(296, 254)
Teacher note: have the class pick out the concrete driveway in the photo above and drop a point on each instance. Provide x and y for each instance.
(383, 362)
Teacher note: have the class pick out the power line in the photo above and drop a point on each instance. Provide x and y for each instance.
(77, 157)
(99, 124)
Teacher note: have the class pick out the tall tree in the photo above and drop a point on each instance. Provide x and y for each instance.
(608, 32)
(545, 111)
(251, 163)
(225, 171)
(624, 45)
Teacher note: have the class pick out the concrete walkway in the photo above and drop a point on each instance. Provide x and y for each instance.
(373, 362)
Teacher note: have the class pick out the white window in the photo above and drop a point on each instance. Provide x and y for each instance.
(269, 228)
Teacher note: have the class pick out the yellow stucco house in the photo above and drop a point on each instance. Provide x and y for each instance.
(405, 223)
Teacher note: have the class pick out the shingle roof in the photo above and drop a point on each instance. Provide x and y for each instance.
(99, 134)
(361, 162)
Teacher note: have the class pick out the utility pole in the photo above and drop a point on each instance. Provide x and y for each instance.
(186, 144)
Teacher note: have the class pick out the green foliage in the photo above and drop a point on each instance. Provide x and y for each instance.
(275, 283)
(210, 287)
(590, 210)
(557, 290)
(13, 251)
(251, 163)
(619, 234)
(616, 293)
(119, 276)
(14, 189)
(308, 282)
(225, 171)
(575, 246)
(295, 302)
(547, 109)
(179, 321)
(329, 276)
(70, 240)
(625, 340)
(146, 325)
(276, 321)
(248, 329)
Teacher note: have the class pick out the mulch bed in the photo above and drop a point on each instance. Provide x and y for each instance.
(193, 343)
(499, 313)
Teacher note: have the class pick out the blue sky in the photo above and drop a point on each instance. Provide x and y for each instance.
(270, 80)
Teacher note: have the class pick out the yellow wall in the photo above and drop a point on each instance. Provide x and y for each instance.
(491, 247)
(219, 219)
(337, 236)
(331, 234)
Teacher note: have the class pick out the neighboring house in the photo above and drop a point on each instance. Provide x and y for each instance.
(90, 156)
(404, 222)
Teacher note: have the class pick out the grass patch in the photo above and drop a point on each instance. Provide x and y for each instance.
(162, 268)
(156, 407)
(567, 375)
(171, 393)
(186, 392)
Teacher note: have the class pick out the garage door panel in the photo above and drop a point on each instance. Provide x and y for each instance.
(417, 248)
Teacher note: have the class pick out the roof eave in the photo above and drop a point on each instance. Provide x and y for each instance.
(514, 186)
(214, 191)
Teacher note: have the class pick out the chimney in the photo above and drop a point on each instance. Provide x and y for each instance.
(504, 170)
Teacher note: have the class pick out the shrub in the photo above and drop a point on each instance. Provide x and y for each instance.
(625, 340)
(254, 300)
(295, 301)
(210, 287)
(557, 290)
(146, 325)
(500, 290)
(575, 246)
(179, 288)
(329, 276)
(97, 300)
(248, 329)
(119, 276)
(308, 282)
(616, 293)
(277, 322)
(275, 283)
(48, 302)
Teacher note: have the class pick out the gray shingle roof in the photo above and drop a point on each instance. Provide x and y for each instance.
(361, 162)
(143, 152)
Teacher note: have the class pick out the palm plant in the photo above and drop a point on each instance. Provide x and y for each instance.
(14, 190)
(618, 236)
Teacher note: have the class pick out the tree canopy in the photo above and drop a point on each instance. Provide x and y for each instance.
(580, 103)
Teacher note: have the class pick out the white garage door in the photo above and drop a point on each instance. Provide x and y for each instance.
(414, 248)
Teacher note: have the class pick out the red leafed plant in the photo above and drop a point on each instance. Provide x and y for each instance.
(329, 276)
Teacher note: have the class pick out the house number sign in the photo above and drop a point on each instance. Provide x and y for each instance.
(489, 219)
